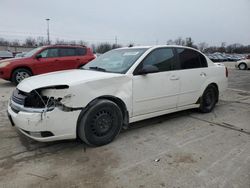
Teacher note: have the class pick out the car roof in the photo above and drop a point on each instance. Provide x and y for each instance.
(158, 46)
(65, 46)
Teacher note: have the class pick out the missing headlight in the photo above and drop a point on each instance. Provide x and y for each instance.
(36, 100)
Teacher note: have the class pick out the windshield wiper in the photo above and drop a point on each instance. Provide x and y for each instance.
(98, 69)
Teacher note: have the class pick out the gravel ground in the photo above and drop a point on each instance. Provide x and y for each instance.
(184, 149)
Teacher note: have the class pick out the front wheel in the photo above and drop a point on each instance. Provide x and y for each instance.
(100, 124)
(208, 99)
(20, 74)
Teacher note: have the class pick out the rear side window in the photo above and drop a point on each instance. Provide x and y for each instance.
(67, 52)
(81, 51)
(162, 58)
(203, 61)
(190, 59)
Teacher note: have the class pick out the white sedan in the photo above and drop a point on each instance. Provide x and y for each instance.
(243, 64)
(119, 87)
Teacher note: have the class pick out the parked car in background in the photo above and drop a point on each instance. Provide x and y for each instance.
(243, 64)
(119, 87)
(221, 57)
(5, 55)
(21, 54)
(43, 60)
(247, 57)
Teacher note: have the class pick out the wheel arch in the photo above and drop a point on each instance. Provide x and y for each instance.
(215, 85)
(114, 99)
(21, 67)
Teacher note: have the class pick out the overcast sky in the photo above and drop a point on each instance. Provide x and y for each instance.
(137, 21)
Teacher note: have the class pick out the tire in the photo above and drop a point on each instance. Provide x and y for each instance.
(20, 74)
(242, 66)
(100, 124)
(208, 99)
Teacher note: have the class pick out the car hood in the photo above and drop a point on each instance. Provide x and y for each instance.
(68, 78)
(12, 60)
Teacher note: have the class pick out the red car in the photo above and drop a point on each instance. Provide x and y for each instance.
(43, 60)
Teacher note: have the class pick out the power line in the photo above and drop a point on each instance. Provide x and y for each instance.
(18, 34)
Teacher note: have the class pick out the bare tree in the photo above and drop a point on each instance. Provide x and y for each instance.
(15, 43)
(4, 42)
(41, 41)
(60, 41)
(202, 46)
(170, 42)
(83, 43)
(189, 42)
(179, 41)
(103, 47)
(30, 42)
(114, 46)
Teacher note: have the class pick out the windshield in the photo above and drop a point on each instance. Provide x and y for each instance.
(116, 61)
(32, 52)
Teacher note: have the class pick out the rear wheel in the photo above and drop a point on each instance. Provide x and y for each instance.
(101, 123)
(208, 99)
(242, 66)
(20, 74)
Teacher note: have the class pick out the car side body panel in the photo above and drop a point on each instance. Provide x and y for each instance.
(155, 92)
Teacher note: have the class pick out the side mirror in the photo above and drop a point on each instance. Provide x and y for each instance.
(38, 56)
(148, 69)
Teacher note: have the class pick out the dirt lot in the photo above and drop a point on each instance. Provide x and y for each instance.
(184, 149)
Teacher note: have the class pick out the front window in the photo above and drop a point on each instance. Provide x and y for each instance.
(32, 52)
(116, 61)
(162, 58)
(49, 53)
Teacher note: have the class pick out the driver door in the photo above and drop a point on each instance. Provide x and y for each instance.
(48, 61)
(154, 92)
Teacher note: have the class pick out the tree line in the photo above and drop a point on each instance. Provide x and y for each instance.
(204, 47)
(105, 46)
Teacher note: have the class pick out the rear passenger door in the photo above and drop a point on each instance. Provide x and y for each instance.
(193, 74)
(68, 58)
(158, 91)
(82, 56)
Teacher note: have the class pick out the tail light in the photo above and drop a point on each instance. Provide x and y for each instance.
(226, 72)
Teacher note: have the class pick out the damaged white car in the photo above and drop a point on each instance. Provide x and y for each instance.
(122, 86)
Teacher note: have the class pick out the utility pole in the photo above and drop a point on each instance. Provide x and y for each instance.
(48, 30)
(116, 40)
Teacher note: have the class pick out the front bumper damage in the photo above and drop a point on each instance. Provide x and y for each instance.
(43, 120)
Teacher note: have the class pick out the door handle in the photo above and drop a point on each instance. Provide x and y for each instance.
(56, 60)
(173, 77)
(77, 59)
(203, 74)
